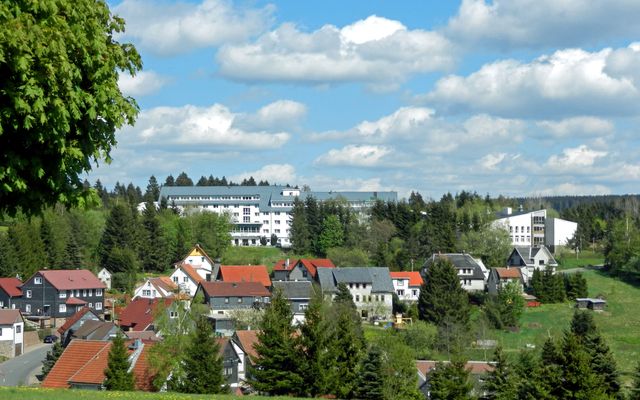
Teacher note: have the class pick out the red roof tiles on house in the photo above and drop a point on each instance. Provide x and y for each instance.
(11, 286)
(75, 356)
(414, 277)
(191, 272)
(239, 289)
(311, 264)
(245, 273)
(140, 313)
(247, 340)
(67, 279)
(74, 301)
(9, 317)
(508, 273)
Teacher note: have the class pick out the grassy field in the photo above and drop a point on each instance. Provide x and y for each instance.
(568, 260)
(256, 256)
(7, 393)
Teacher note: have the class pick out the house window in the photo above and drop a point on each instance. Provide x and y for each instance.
(18, 329)
(304, 273)
(414, 292)
(62, 294)
(98, 306)
(173, 314)
(303, 307)
(98, 292)
(27, 308)
(185, 279)
(357, 297)
(540, 262)
(146, 292)
(400, 292)
(226, 300)
(28, 294)
(90, 292)
(175, 279)
(84, 292)
(401, 283)
(77, 292)
(62, 308)
(1, 306)
(239, 299)
(37, 280)
(90, 305)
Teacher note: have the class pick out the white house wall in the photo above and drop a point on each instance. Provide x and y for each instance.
(559, 232)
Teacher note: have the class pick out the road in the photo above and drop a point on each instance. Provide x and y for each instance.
(20, 370)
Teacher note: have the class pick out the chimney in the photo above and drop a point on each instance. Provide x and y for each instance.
(286, 263)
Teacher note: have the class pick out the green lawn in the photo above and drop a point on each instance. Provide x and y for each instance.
(619, 324)
(588, 257)
(7, 393)
(262, 255)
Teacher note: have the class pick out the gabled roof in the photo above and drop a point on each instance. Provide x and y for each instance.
(378, 277)
(311, 264)
(162, 285)
(474, 367)
(508, 273)
(294, 289)
(75, 318)
(84, 362)
(197, 251)
(239, 289)
(67, 279)
(11, 286)
(95, 330)
(247, 340)
(245, 273)
(190, 271)
(528, 253)
(414, 277)
(10, 317)
(459, 261)
(140, 313)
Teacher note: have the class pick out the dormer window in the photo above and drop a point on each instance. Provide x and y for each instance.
(37, 280)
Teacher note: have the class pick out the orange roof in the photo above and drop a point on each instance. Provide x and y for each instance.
(311, 264)
(11, 286)
(191, 272)
(140, 313)
(245, 273)
(75, 356)
(508, 273)
(73, 319)
(414, 277)
(93, 371)
(247, 340)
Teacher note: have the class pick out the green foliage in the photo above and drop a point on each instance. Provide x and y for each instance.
(62, 102)
(117, 374)
(634, 391)
(153, 245)
(371, 379)
(420, 337)
(547, 286)
(348, 257)
(450, 381)
(331, 235)
(575, 286)
(505, 309)
(441, 296)
(579, 381)
(51, 358)
(491, 244)
(211, 231)
(300, 235)
(276, 369)
(202, 362)
(622, 250)
(118, 238)
(8, 258)
(501, 383)
(400, 380)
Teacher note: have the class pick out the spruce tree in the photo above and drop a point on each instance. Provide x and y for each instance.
(117, 374)
(202, 362)
(450, 381)
(119, 233)
(276, 368)
(343, 296)
(316, 355)
(441, 296)
(72, 255)
(8, 259)
(51, 358)
(537, 285)
(578, 380)
(550, 373)
(153, 246)
(634, 392)
(153, 190)
(300, 235)
(529, 385)
(501, 382)
(370, 380)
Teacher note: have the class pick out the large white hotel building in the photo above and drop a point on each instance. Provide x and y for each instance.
(260, 211)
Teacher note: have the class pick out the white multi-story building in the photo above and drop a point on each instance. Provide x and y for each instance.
(558, 232)
(259, 211)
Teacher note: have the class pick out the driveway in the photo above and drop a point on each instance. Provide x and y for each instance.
(21, 370)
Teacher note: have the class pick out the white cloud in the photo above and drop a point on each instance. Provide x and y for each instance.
(567, 83)
(577, 157)
(565, 189)
(168, 29)
(491, 161)
(378, 51)
(355, 156)
(513, 24)
(281, 114)
(583, 126)
(195, 127)
(142, 84)
(281, 174)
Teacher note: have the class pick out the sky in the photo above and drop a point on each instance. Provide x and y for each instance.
(511, 97)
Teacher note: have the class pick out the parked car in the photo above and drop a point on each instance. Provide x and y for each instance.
(50, 339)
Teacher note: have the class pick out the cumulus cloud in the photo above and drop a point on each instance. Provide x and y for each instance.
(195, 127)
(564, 189)
(355, 156)
(142, 84)
(491, 161)
(281, 114)
(567, 83)
(169, 29)
(376, 50)
(576, 157)
(273, 173)
(578, 126)
(513, 24)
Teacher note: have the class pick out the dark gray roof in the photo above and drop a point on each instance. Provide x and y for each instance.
(528, 253)
(294, 289)
(378, 277)
(459, 261)
(94, 330)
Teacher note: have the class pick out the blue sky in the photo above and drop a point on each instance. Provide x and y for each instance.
(513, 97)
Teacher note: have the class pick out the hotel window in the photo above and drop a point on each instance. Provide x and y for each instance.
(265, 221)
(277, 213)
(246, 219)
(357, 297)
(277, 230)
(277, 222)
(516, 229)
(246, 211)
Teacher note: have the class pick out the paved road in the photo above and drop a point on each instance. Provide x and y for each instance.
(21, 370)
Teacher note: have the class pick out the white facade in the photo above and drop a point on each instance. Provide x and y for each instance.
(525, 228)
(404, 291)
(370, 304)
(558, 232)
(105, 277)
(150, 291)
(12, 338)
(185, 282)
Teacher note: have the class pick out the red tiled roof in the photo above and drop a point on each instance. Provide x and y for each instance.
(224, 289)
(66, 279)
(474, 367)
(140, 313)
(508, 273)
(414, 277)
(84, 361)
(245, 273)
(11, 286)
(74, 318)
(74, 301)
(191, 272)
(247, 340)
(312, 264)
(9, 317)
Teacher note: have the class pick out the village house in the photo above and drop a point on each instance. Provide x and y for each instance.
(245, 273)
(141, 314)
(499, 277)
(471, 271)
(371, 288)
(10, 292)
(156, 288)
(243, 342)
(186, 278)
(96, 330)
(298, 293)
(105, 277)
(11, 333)
(230, 362)
(58, 294)
(200, 260)
(225, 297)
(304, 269)
(407, 285)
(528, 259)
(74, 322)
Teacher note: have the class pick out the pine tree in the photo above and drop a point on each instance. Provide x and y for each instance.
(537, 285)
(348, 344)
(300, 235)
(153, 248)
(51, 358)
(117, 374)
(550, 373)
(634, 393)
(529, 383)
(202, 362)
(119, 233)
(153, 190)
(343, 296)
(450, 381)
(183, 180)
(46, 235)
(276, 368)
(72, 255)
(501, 382)
(370, 381)
(317, 358)
(170, 181)
(578, 379)
(441, 296)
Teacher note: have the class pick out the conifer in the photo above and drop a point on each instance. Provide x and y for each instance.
(450, 381)
(370, 381)
(317, 357)
(117, 374)
(51, 358)
(501, 382)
